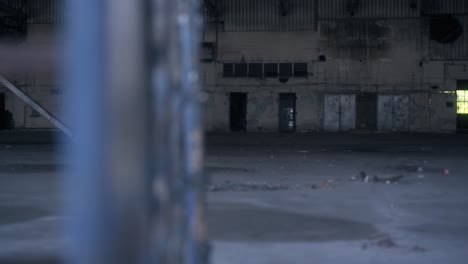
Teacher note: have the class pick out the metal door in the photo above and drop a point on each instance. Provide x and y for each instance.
(340, 112)
(347, 112)
(332, 113)
(400, 112)
(385, 112)
(393, 112)
(287, 112)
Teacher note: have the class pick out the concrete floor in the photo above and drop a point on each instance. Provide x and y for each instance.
(286, 199)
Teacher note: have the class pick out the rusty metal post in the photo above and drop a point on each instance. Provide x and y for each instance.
(86, 187)
(108, 100)
(135, 187)
(189, 21)
(179, 140)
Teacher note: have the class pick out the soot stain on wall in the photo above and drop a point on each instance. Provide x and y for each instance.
(356, 39)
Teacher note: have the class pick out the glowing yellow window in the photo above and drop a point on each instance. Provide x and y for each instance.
(462, 102)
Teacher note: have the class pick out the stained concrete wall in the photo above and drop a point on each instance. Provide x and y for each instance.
(41, 86)
(391, 57)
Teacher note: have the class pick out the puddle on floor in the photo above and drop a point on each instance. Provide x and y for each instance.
(233, 222)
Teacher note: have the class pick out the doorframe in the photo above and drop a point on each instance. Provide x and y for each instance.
(294, 114)
(375, 110)
(339, 111)
(244, 117)
(3, 115)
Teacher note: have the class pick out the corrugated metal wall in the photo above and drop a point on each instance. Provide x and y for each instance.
(45, 11)
(265, 15)
(38, 11)
(377, 9)
(11, 3)
(444, 7)
(261, 15)
(358, 29)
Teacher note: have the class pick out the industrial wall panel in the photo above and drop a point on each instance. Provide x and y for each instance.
(347, 112)
(267, 15)
(393, 112)
(378, 9)
(340, 112)
(292, 15)
(37, 11)
(385, 112)
(434, 7)
(400, 112)
(11, 4)
(351, 33)
(332, 113)
(45, 11)
(443, 112)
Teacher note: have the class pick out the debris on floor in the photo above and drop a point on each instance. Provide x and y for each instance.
(364, 246)
(386, 243)
(245, 187)
(382, 241)
(228, 186)
(418, 249)
(389, 179)
(363, 176)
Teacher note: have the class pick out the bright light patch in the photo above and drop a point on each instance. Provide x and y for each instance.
(462, 102)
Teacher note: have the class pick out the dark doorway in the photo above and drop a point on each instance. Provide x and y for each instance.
(462, 106)
(6, 121)
(238, 111)
(366, 111)
(2, 112)
(287, 112)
